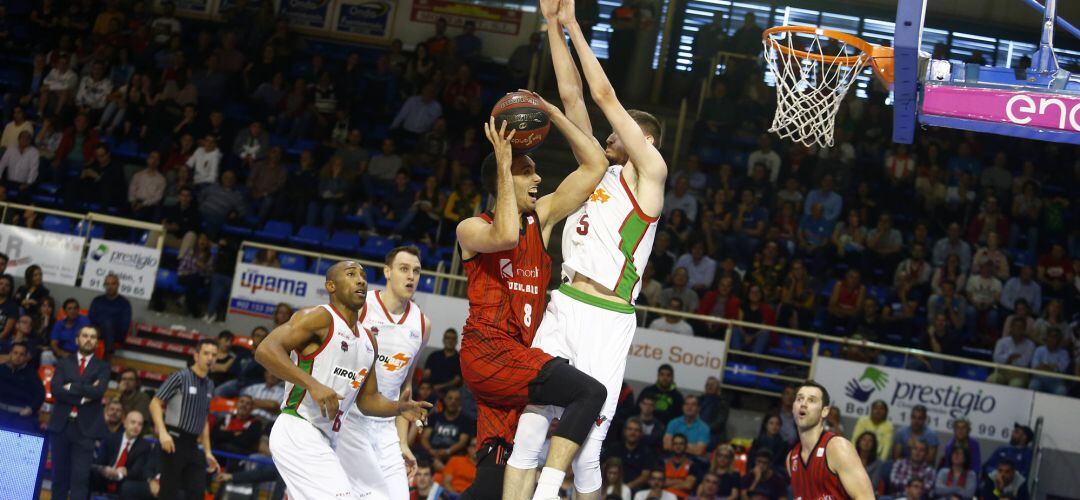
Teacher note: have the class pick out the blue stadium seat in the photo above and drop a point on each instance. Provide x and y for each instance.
(43, 199)
(311, 236)
(48, 187)
(168, 280)
(426, 284)
(375, 276)
(344, 242)
(791, 347)
(234, 230)
(735, 374)
(249, 254)
(971, 372)
(321, 266)
(56, 224)
(292, 262)
(275, 230)
(375, 247)
(894, 359)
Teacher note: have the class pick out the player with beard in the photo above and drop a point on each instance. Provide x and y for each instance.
(377, 448)
(823, 464)
(606, 245)
(327, 361)
(508, 268)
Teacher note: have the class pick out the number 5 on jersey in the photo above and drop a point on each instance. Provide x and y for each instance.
(583, 225)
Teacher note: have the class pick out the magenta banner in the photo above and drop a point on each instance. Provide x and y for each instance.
(1023, 108)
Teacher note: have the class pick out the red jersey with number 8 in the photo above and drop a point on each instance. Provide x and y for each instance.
(813, 480)
(507, 290)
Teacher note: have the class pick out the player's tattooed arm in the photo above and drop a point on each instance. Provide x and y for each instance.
(576, 187)
(304, 332)
(844, 460)
(474, 234)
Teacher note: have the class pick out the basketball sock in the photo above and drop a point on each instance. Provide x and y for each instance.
(549, 483)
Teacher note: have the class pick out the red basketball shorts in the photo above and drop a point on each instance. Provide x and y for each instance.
(498, 370)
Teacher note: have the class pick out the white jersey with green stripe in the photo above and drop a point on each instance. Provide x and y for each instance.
(341, 363)
(609, 238)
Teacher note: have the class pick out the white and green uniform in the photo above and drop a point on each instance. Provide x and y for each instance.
(302, 441)
(609, 240)
(369, 446)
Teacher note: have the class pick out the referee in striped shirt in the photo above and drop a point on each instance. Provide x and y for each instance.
(182, 425)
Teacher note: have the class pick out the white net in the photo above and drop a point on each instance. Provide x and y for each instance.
(809, 90)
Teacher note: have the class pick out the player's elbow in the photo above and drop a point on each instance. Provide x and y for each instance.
(603, 94)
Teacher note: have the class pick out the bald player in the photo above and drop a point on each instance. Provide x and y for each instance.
(327, 361)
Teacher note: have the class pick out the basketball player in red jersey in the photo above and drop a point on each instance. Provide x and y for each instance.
(823, 465)
(508, 270)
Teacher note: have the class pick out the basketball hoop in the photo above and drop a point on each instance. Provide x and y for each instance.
(814, 69)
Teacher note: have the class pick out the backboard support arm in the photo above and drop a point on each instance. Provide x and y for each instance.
(910, 15)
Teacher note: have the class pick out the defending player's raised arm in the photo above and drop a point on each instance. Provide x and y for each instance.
(566, 73)
(401, 424)
(374, 404)
(296, 334)
(474, 234)
(576, 187)
(645, 156)
(844, 460)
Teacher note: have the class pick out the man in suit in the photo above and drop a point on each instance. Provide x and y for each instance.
(124, 460)
(78, 417)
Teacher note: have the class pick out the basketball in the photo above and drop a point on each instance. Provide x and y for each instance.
(523, 112)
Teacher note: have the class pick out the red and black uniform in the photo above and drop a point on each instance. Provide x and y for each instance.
(813, 480)
(507, 297)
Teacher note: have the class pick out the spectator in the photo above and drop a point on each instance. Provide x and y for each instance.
(68, 151)
(612, 485)
(238, 432)
(694, 431)
(448, 432)
(460, 470)
(989, 219)
(221, 203)
(748, 228)
(165, 26)
(904, 440)
(877, 422)
(268, 176)
(124, 460)
(384, 166)
(951, 244)
(915, 467)
(866, 445)
(1014, 349)
(962, 439)
(19, 166)
(77, 418)
(1054, 272)
(723, 467)
(668, 399)
(225, 366)
(442, 368)
(267, 397)
(1053, 316)
(519, 65)
(680, 471)
(715, 410)
(849, 240)
(700, 267)
(334, 185)
(205, 162)
(249, 372)
(754, 310)
(194, 272)
(655, 489)
(953, 306)
(15, 128)
(251, 144)
(1018, 452)
(638, 458)
(182, 222)
(1026, 212)
(23, 334)
(797, 297)
(652, 428)
(58, 87)
(991, 253)
(813, 236)
(147, 189)
(844, 300)
(21, 392)
(762, 480)
(915, 490)
(469, 46)
(66, 333)
(831, 202)
(110, 313)
(9, 307)
(671, 323)
(114, 417)
(679, 290)
(983, 290)
(1052, 358)
(949, 272)
(93, 90)
(957, 479)
(131, 396)
(770, 440)
(1005, 481)
(766, 156)
(418, 114)
(44, 319)
(1022, 316)
(680, 198)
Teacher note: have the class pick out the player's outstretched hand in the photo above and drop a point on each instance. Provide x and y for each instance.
(497, 136)
(566, 13)
(413, 411)
(550, 9)
(544, 104)
(328, 400)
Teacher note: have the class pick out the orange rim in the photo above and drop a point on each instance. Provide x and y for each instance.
(880, 57)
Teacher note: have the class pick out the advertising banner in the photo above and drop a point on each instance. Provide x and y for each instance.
(693, 358)
(490, 19)
(57, 254)
(136, 267)
(1024, 108)
(310, 14)
(257, 290)
(365, 18)
(992, 409)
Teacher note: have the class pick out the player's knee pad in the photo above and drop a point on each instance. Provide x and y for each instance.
(587, 474)
(529, 441)
(583, 412)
